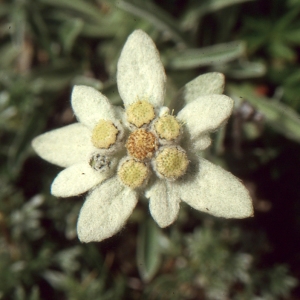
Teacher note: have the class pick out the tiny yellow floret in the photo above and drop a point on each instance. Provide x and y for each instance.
(140, 113)
(167, 127)
(171, 163)
(133, 173)
(141, 144)
(104, 134)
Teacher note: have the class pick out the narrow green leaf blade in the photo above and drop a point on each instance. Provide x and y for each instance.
(212, 55)
(79, 6)
(281, 50)
(155, 15)
(293, 36)
(279, 116)
(243, 69)
(201, 8)
(69, 32)
(148, 250)
(214, 5)
(5, 9)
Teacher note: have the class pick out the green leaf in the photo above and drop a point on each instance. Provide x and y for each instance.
(41, 30)
(292, 3)
(255, 41)
(214, 5)
(243, 69)
(20, 293)
(104, 27)
(212, 55)
(79, 6)
(203, 7)
(148, 250)
(93, 31)
(280, 117)
(55, 278)
(20, 147)
(54, 78)
(8, 54)
(287, 19)
(281, 50)
(155, 15)
(69, 32)
(293, 36)
(35, 293)
(293, 78)
(5, 9)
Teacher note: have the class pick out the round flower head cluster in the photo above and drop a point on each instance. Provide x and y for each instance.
(153, 142)
(117, 154)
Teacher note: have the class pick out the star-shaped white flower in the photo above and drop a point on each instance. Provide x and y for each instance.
(118, 154)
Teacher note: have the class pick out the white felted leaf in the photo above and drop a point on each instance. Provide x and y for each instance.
(105, 211)
(76, 180)
(65, 146)
(90, 106)
(205, 114)
(215, 191)
(206, 84)
(202, 142)
(164, 202)
(140, 74)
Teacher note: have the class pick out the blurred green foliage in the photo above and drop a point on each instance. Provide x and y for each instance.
(47, 46)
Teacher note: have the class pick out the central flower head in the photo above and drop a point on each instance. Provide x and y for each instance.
(141, 144)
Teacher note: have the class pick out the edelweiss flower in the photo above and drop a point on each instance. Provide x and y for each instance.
(118, 154)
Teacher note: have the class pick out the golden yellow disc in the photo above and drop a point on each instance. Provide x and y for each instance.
(171, 163)
(167, 127)
(140, 113)
(133, 173)
(141, 144)
(104, 134)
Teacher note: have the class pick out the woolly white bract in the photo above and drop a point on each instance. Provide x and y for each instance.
(117, 154)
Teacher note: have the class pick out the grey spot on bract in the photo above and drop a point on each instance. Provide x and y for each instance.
(100, 162)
